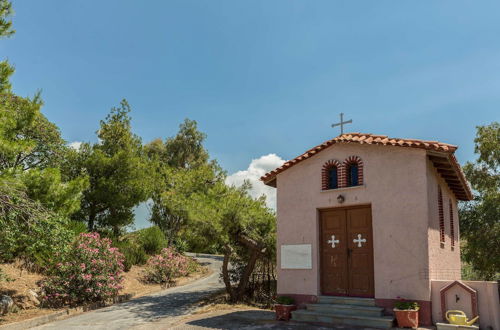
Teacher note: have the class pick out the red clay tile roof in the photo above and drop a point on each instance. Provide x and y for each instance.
(462, 189)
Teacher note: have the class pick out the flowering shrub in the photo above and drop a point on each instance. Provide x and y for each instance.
(169, 264)
(91, 271)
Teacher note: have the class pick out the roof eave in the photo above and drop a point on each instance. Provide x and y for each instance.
(270, 183)
(450, 171)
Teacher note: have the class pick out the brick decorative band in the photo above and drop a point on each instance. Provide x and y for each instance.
(353, 160)
(341, 172)
(325, 173)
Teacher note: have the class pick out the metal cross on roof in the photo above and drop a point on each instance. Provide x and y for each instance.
(342, 123)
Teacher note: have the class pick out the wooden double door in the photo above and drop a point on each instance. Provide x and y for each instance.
(347, 252)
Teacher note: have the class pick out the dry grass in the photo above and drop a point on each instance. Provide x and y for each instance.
(220, 302)
(20, 282)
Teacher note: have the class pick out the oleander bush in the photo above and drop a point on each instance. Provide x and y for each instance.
(163, 268)
(91, 271)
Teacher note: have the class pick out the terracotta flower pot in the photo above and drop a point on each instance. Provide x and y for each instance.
(407, 318)
(284, 312)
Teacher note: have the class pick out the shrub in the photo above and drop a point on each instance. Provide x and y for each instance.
(133, 254)
(28, 231)
(284, 300)
(77, 227)
(406, 305)
(167, 265)
(91, 271)
(152, 240)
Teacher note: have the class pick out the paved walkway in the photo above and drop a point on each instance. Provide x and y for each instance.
(168, 306)
(170, 309)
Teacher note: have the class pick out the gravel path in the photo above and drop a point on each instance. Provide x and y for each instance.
(148, 312)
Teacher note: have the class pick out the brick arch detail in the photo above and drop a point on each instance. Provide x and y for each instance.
(352, 160)
(324, 173)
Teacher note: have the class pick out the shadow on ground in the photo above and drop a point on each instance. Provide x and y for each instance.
(252, 320)
(152, 308)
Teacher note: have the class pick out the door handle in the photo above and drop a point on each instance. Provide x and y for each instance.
(349, 251)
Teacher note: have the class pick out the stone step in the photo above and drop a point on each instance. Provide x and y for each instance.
(346, 300)
(381, 322)
(346, 309)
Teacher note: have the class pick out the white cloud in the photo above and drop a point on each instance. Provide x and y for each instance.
(75, 145)
(256, 169)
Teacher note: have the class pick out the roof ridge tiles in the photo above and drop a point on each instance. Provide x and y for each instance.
(363, 138)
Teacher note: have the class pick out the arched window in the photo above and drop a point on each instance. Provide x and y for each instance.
(352, 175)
(330, 175)
(353, 172)
(333, 178)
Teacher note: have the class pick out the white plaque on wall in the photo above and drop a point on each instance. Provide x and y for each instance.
(296, 256)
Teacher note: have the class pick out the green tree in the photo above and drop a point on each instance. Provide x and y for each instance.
(480, 219)
(6, 30)
(194, 207)
(35, 199)
(186, 149)
(31, 150)
(29, 231)
(47, 187)
(28, 139)
(5, 22)
(119, 173)
(243, 228)
(182, 169)
(170, 201)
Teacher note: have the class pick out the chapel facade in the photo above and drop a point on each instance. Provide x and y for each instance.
(368, 216)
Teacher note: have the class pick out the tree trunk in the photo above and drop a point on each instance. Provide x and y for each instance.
(225, 272)
(246, 275)
(91, 221)
(255, 251)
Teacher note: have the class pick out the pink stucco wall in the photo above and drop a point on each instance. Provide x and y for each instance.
(396, 187)
(444, 262)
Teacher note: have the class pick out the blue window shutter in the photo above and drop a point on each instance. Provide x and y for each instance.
(353, 175)
(332, 178)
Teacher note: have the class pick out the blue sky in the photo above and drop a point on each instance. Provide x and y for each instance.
(263, 77)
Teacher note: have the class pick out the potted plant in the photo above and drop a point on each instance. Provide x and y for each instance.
(406, 313)
(284, 307)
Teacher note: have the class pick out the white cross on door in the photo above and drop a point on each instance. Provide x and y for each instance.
(333, 241)
(359, 240)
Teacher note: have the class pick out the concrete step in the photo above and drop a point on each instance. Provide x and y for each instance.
(346, 309)
(346, 300)
(381, 322)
